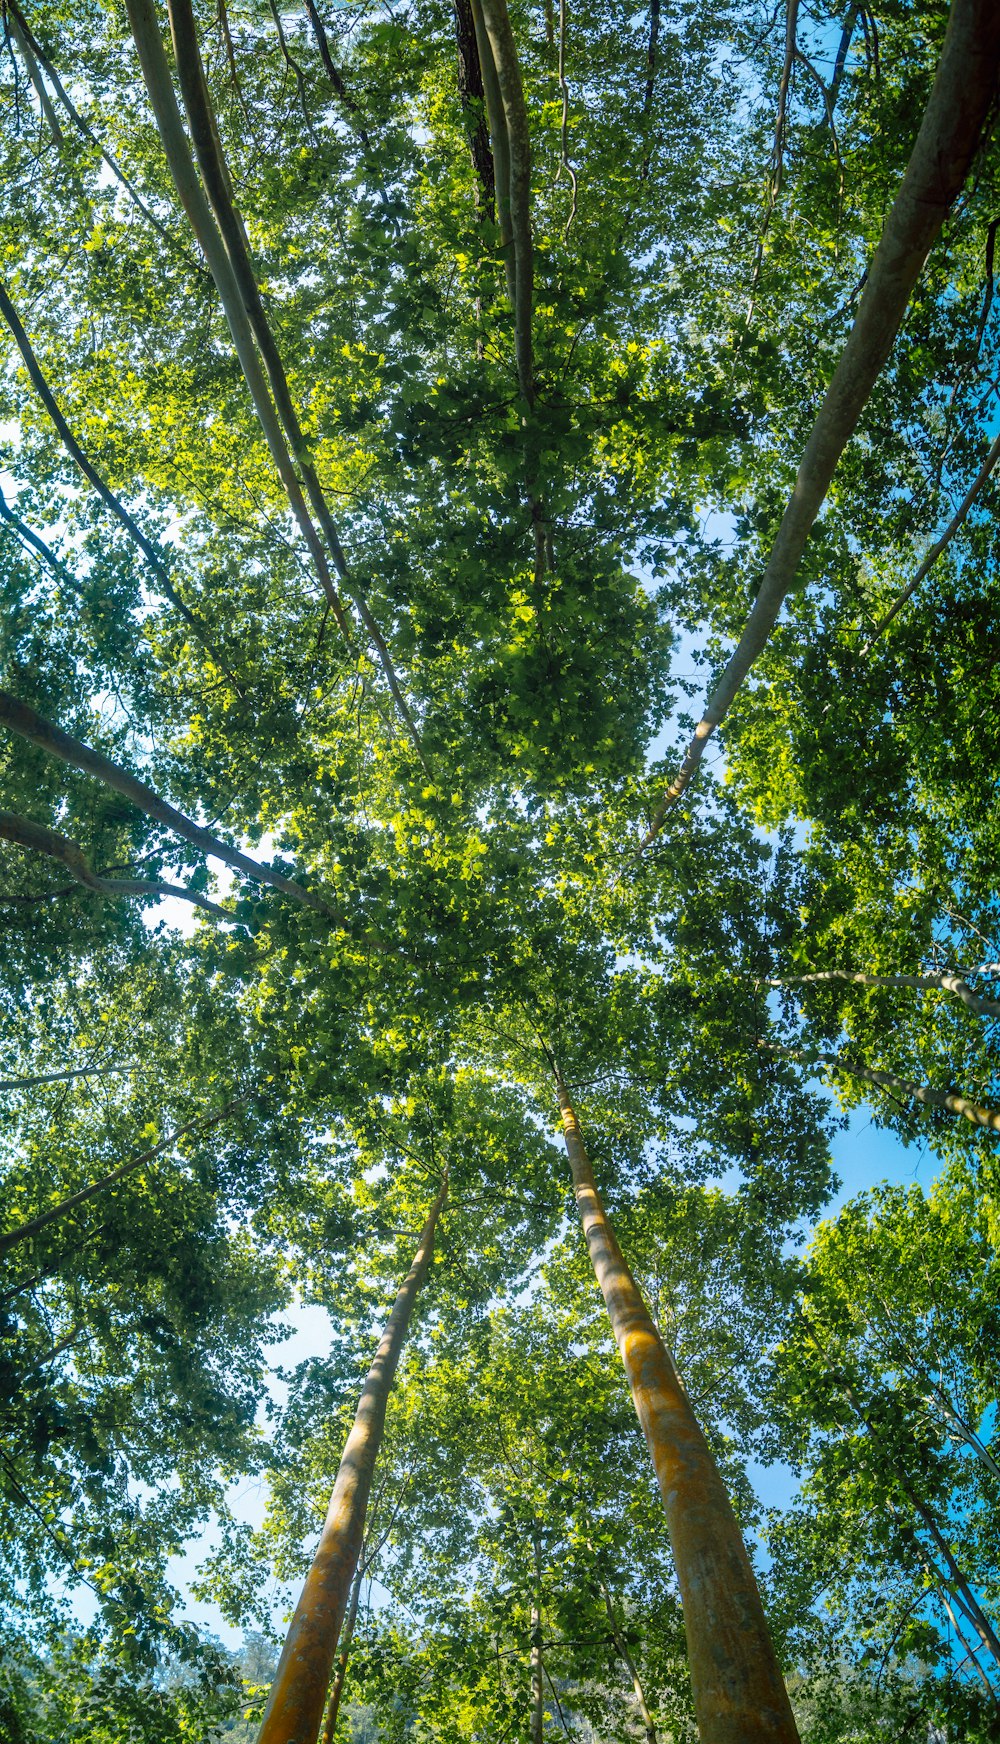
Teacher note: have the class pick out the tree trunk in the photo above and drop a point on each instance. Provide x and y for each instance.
(513, 120)
(295, 1705)
(156, 73)
(961, 1589)
(621, 1647)
(347, 1635)
(472, 97)
(537, 1689)
(960, 103)
(949, 1099)
(929, 979)
(739, 1692)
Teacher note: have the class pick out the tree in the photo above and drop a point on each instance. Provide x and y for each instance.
(369, 380)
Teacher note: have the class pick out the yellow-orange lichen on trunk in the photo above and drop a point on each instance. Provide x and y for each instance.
(298, 1694)
(739, 1692)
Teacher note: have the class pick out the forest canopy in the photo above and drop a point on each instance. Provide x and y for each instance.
(498, 733)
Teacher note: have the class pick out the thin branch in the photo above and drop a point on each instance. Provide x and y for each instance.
(564, 163)
(39, 1078)
(107, 496)
(954, 525)
(44, 1218)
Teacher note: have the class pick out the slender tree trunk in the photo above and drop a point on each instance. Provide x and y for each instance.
(159, 85)
(295, 1706)
(621, 1647)
(343, 1657)
(38, 1078)
(537, 1685)
(215, 175)
(924, 1093)
(960, 103)
(960, 1586)
(970, 1652)
(472, 97)
(739, 1692)
(514, 122)
(929, 979)
(86, 131)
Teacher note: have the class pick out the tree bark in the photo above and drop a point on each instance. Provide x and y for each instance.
(295, 1706)
(343, 1657)
(960, 102)
(739, 1692)
(930, 979)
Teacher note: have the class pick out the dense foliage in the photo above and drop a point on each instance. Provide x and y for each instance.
(380, 498)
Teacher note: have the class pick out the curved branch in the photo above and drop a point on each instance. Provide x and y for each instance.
(959, 106)
(38, 545)
(923, 1093)
(39, 839)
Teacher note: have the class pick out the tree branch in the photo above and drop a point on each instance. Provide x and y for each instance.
(960, 102)
(18, 717)
(34, 1224)
(940, 982)
(39, 839)
(954, 525)
(107, 496)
